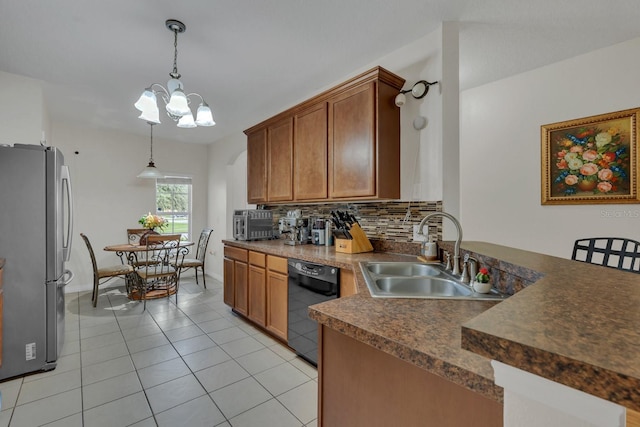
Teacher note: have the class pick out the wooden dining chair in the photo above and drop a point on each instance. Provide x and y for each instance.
(159, 277)
(134, 234)
(198, 261)
(614, 252)
(133, 237)
(108, 273)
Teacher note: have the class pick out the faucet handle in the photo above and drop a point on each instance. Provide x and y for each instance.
(465, 278)
(447, 266)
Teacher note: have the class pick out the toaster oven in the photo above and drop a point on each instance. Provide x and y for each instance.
(252, 224)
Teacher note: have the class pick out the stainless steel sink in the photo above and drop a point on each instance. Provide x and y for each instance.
(417, 280)
(402, 269)
(418, 286)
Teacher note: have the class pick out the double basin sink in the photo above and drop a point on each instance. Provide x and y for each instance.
(417, 280)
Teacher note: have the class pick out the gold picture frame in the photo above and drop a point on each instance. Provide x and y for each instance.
(592, 160)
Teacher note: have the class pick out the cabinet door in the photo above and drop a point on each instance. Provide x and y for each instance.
(277, 304)
(352, 143)
(229, 279)
(257, 294)
(240, 284)
(280, 161)
(257, 166)
(310, 154)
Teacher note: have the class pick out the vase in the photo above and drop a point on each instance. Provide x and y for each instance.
(480, 287)
(587, 185)
(143, 238)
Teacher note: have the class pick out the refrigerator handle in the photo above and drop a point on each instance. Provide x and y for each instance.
(66, 245)
(67, 277)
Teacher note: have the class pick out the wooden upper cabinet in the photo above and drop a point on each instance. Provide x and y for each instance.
(310, 153)
(352, 143)
(343, 144)
(257, 166)
(280, 161)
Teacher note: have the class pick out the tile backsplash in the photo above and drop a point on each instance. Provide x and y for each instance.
(391, 221)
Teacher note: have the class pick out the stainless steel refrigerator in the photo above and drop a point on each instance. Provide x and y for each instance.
(35, 240)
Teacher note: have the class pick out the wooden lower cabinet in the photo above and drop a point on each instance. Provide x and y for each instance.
(347, 283)
(277, 296)
(633, 418)
(257, 288)
(241, 301)
(362, 386)
(229, 295)
(236, 279)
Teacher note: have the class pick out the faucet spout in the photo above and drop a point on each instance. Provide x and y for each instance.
(456, 251)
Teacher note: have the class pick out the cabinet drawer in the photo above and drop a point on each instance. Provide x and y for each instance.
(235, 253)
(257, 258)
(278, 264)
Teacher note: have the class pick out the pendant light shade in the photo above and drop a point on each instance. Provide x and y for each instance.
(174, 96)
(204, 117)
(178, 105)
(151, 171)
(186, 121)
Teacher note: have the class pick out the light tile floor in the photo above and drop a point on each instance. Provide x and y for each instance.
(193, 363)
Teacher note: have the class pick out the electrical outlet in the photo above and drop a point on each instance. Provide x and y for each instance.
(418, 237)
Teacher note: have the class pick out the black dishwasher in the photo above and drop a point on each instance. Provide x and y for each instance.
(309, 284)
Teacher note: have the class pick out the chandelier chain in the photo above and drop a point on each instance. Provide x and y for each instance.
(151, 158)
(174, 74)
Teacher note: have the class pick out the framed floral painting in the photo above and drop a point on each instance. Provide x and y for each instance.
(593, 160)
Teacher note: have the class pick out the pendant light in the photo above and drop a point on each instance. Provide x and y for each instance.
(151, 171)
(174, 97)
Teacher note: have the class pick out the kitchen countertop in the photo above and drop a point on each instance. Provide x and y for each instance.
(424, 332)
(577, 324)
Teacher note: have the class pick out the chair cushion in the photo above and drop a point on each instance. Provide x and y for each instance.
(189, 262)
(149, 274)
(114, 270)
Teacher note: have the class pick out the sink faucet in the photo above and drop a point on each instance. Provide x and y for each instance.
(456, 251)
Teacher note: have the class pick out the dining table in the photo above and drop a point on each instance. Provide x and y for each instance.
(128, 254)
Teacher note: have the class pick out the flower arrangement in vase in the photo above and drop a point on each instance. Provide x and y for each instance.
(481, 283)
(151, 222)
(591, 160)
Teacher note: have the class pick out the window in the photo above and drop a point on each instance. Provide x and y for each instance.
(173, 200)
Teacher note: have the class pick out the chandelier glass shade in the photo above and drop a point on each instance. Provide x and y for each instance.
(174, 97)
(151, 171)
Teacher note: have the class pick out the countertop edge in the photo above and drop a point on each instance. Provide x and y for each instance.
(451, 372)
(458, 375)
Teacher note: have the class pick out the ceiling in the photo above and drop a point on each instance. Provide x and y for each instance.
(253, 58)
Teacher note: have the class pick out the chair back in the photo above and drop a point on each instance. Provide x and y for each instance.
(203, 241)
(163, 250)
(91, 254)
(134, 234)
(614, 252)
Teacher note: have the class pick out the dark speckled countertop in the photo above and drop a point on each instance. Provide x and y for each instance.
(579, 325)
(570, 322)
(424, 332)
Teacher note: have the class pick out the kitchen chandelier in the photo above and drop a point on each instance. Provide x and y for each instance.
(177, 102)
(151, 171)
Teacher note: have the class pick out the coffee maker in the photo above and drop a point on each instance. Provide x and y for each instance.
(295, 230)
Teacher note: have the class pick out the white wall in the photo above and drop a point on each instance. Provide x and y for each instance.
(108, 198)
(24, 117)
(422, 161)
(222, 155)
(500, 151)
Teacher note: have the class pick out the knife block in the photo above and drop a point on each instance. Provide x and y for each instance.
(358, 244)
